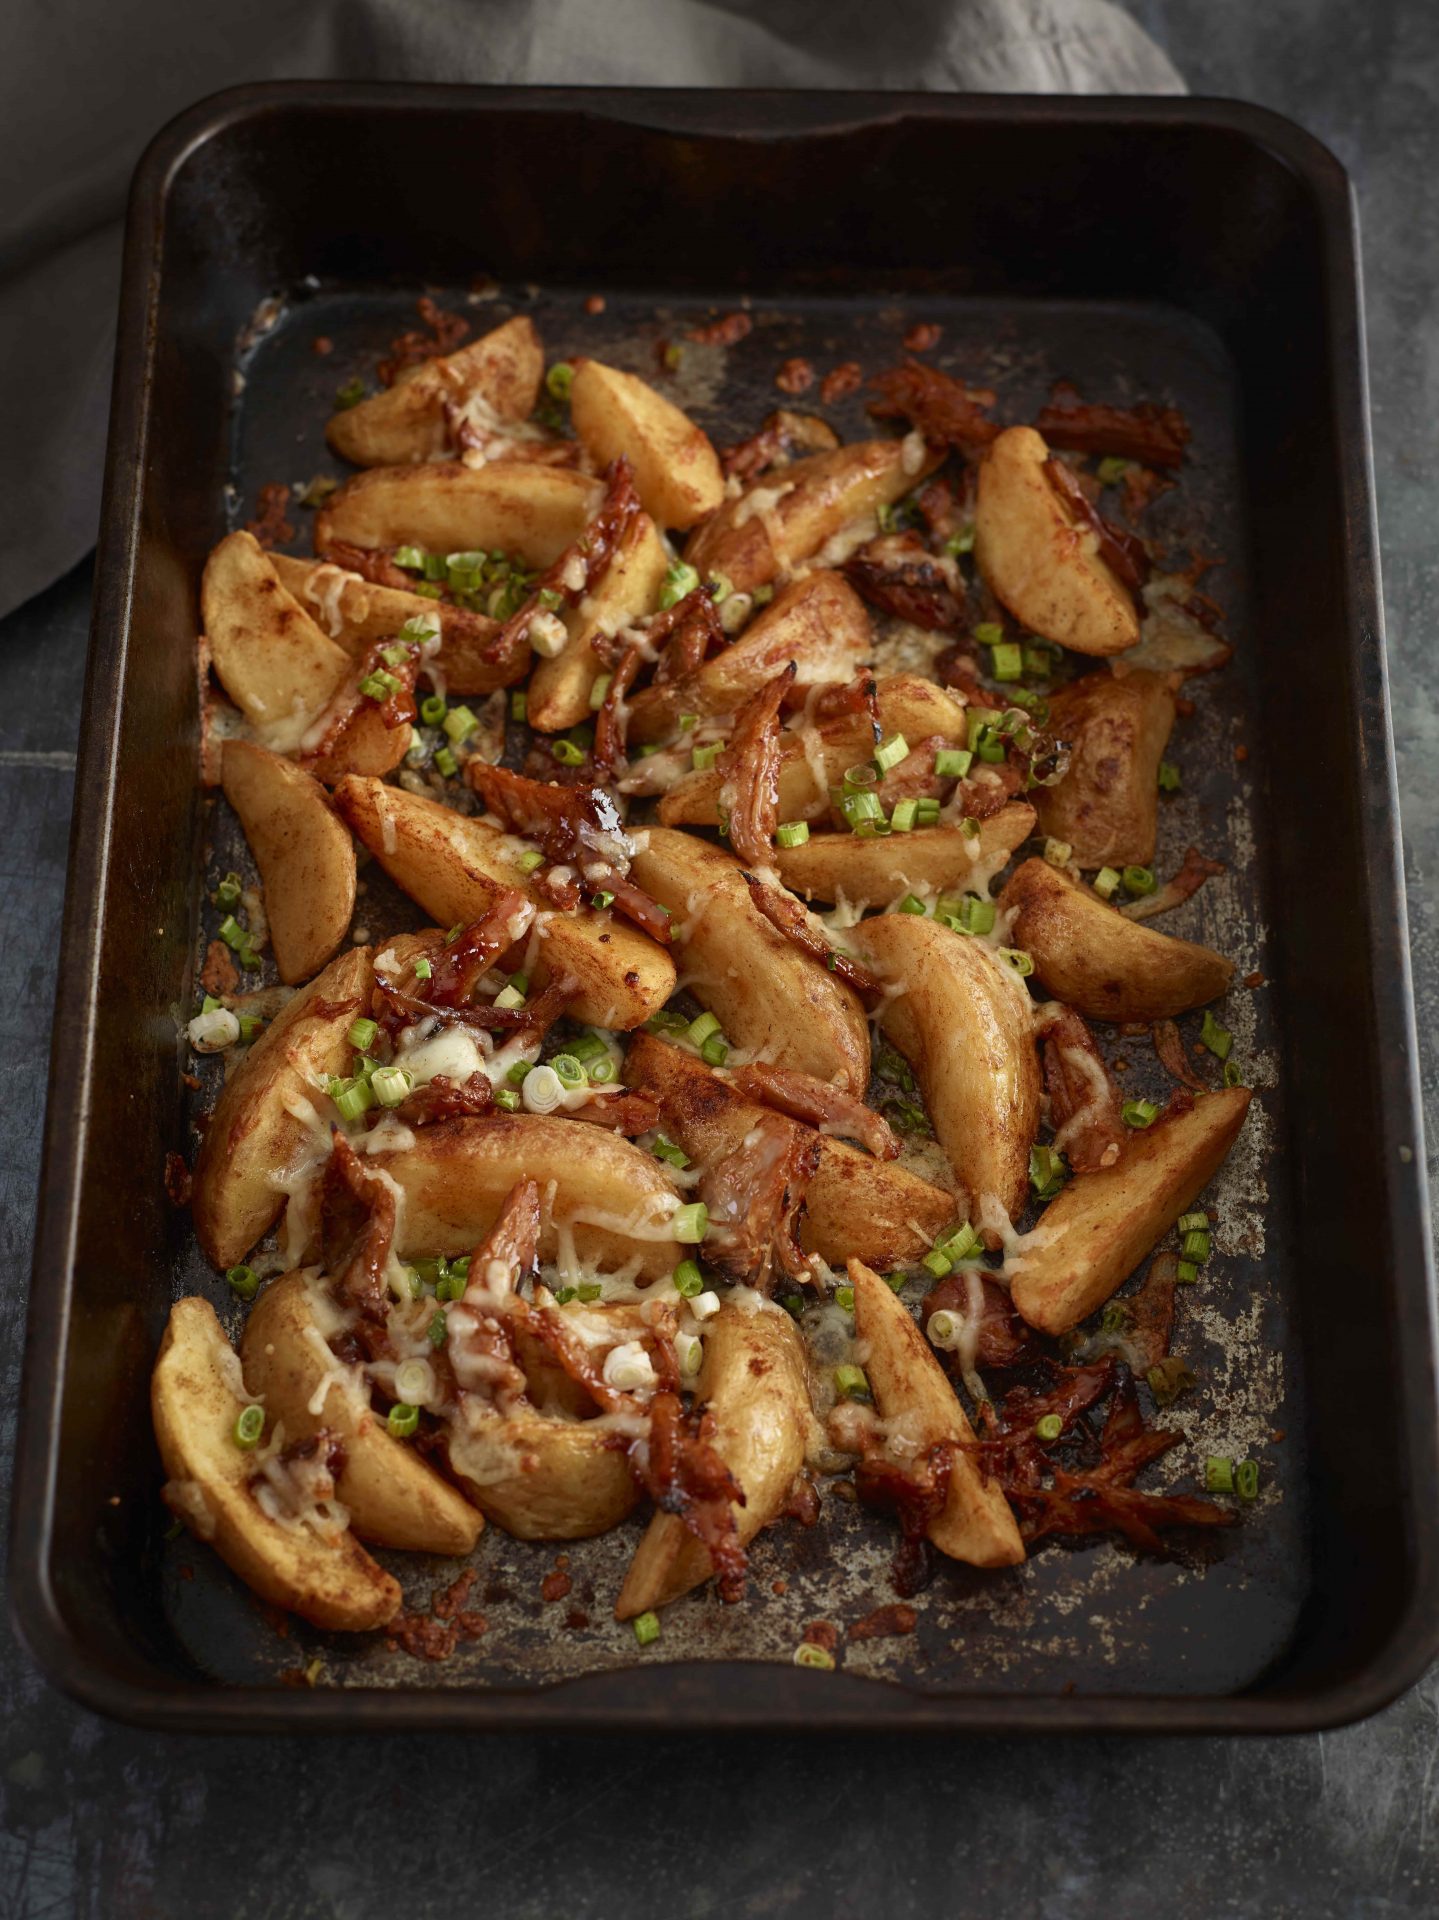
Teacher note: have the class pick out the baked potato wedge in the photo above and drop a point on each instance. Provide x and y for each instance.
(303, 850)
(265, 1122)
(855, 1204)
(815, 758)
(782, 519)
(754, 1383)
(394, 1497)
(559, 691)
(1092, 1236)
(769, 996)
(518, 507)
(1097, 960)
(355, 613)
(195, 1400)
(677, 471)
(457, 867)
(541, 1477)
(604, 1199)
(930, 860)
(819, 622)
(499, 374)
(272, 659)
(1044, 568)
(914, 1398)
(963, 1020)
(1107, 805)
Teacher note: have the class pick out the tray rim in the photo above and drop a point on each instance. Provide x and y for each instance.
(644, 1698)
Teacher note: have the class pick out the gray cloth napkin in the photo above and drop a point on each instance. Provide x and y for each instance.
(87, 85)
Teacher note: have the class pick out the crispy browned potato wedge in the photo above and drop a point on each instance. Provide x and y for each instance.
(912, 1394)
(393, 1496)
(770, 997)
(677, 472)
(820, 623)
(1046, 570)
(816, 758)
(195, 1402)
(1097, 960)
(784, 518)
(304, 852)
(604, 1198)
(406, 422)
(753, 1382)
(1095, 1233)
(1107, 805)
(457, 867)
(855, 1204)
(530, 511)
(265, 1123)
(271, 658)
(541, 1477)
(355, 612)
(559, 691)
(963, 1020)
(876, 873)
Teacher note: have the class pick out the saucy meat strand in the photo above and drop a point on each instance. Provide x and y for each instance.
(943, 409)
(357, 1229)
(803, 1097)
(581, 566)
(787, 916)
(898, 574)
(1156, 436)
(1084, 1102)
(749, 767)
(755, 1197)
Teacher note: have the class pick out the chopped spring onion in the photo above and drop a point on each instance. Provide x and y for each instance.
(379, 686)
(807, 1654)
(509, 997)
(543, 1090)
(567, 753)
(861, 778)
(1218, 1039)
(529, 860)
(1106, 882)
(944, 1328)
(227, 894)
(666, 1150)
(402, 1420)
(890, 752)
(1168, 1378)
(1168, 777)
(1218, 1474)
(1196, 1246)
(1139, 880)
(588, 1047)
(1058, 853)
(354, 1098)
(1049, 1426)
(248, 1428)
(362, 1034)
(432, 709)
(446, 763)
(1016, 957)
(690, 1352)
(705, 1305)
(391, 1085)
(703, 758)
(937, 1263)
(1139, 1113)
(979, 721)
(912, 903)
(508, 1099)
(926, 812)
(793, 1304)
(395, 656)
(436, 566)
(423, 969)
(1047, 1170)
(844, 1299)
(460, 723)
(688, 1279)
(589, 1290)
(438, 1329)
(959, 1243)
(715, 1050)
(700, 1029)
(792, 833)
(647, 1628)
(851, 1382)
(1008, 661)
(961, 542)
(350, 395)
(602, 1072)
(680, 579)
(233, 934)
(861, 808)
(559, 379)
(1246, 1479)
(952, 763)
(571, 1073)
(721, 587)
(976, 915)
(520, 1072)
(1193, 1222)
(410, 559)
(896, 1281)
(1112, 469)
(691, 1223)
(599, 687)
(519, 704)
(988, 633)
(214, 1031)
(903, 818)
(666, 1021)
(565, 1295)
(243, 1282)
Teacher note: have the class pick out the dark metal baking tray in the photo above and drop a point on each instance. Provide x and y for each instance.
(1196, 252)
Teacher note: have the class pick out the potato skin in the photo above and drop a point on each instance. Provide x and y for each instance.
(521, 507)
(876, 873)
(395, 1498)
(1046, 571)
(542, 1478)
(251, 1135)
(778, 999)
(754, 1382)
(305, 855)
(1094, 959)
(1093, 1235)
(1107, 805)
(855, 1204)
(963, 1021)
(976, 1524)
(271, 658)
(406, 422)
(194, 1407)
(559, 690)
(677, 472)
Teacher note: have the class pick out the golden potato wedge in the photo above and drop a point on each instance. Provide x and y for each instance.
(753, 1381)
(1107, 805)
(272, 659)
(393, 1496)
(457, 867)
(677, 471)
(406, 422)
(815, 758)
(530, 511)
(1097, 960)
(559, 692)
(820, 623)
(963, 1020)
(1093, 1235)
(304, 852)
(327, 1579)
(541, 1477)
(603, 1198)
(355, 613)
(784, 518)
(770, 997)
(914, 1398)
(265, 1123)
(874, 1209)
(1044, 568)
(930, 860)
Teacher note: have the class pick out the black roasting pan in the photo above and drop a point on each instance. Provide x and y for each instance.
(1183, 250)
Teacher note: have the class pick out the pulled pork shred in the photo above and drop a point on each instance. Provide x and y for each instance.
(749, 769)
(945, 410)
(631, 1113)
(915, 1491)
(816, 1103)
(787, 916)
(446, 1099)
(1085, 1108)
(898, 574)
(685, 1476)
(1001, 1337)
(348, 705)
(357, 1227)
(1169, 1046)
(1195, 869)
(755, 1196)
(684, 635)
(782, 437)
(586, 560)
(1123, 553)
(1157, 436)
(445, 332)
